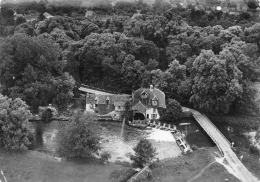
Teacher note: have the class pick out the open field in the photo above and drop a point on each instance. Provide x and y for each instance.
(199, 166)
(33, 166)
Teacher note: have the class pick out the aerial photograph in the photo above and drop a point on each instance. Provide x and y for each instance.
(129, 90)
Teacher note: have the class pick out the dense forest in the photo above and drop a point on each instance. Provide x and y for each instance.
(206, 59)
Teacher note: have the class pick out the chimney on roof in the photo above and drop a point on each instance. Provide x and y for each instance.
(151, 87)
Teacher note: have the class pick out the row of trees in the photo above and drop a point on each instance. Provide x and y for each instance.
(212, 68)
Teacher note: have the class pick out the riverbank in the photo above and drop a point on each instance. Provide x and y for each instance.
(248, 122)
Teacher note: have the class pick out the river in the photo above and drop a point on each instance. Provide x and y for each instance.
(195, 135)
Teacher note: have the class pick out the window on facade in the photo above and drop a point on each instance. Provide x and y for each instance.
(154, 116)
(143, 95)
(96, 100)
(147, 115)
(154, 110)
(119, 107)
(107, 101)
(155, 102)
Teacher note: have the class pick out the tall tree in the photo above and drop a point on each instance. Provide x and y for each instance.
(14, 126)
(216, 82)
(31, 69)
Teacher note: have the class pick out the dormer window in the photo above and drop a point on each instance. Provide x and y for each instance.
(107, 100)
(155, 101)
(143, 95)
(96, 100)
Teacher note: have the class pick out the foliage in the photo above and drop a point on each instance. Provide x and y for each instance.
(254, 150)
(46, 116)
(194, 147)
(24, 28)
(252, 4)
(207, 59)
(216, 83)
(144, 153)
(14, 126)
(30, 68)
(249, 122)
(173, 111)
(105, 156)
(78, 139)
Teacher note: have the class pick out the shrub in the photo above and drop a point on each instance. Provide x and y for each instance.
(194, 147)
(78, 138)
(252, 4)
(254, 150)
(105, 156)
(173, 111)
(144, 153)
(14, 126)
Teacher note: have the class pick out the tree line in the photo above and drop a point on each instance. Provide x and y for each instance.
(211, 67)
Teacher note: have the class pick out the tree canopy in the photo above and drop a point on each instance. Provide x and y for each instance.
(206, 59)
(31, 69)
(14, 127)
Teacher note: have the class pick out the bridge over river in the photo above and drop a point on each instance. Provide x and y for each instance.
(224, 146)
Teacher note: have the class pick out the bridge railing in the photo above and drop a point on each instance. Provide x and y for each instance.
(210, 135)
(196, 112)
(218, 130)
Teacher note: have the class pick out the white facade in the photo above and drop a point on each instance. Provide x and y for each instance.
(119, 108)
(90, 107)
(152, 113)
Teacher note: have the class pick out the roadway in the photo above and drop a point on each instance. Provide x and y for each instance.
(224, 146)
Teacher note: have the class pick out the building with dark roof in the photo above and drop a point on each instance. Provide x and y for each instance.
(145, 103)
(104, 104)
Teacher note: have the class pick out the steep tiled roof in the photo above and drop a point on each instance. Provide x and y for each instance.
(151, 93)
(112, 98)
(122, 104)
(139, 107)
(90, 98)
(47, 15)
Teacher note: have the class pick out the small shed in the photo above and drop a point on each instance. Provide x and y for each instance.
(89, 13)
(47, 15)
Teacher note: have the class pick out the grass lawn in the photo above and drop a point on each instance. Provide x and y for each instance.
(199, 166)
(252, 162)
(33, 166)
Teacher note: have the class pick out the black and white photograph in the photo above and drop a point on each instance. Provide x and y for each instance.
(129, 90)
